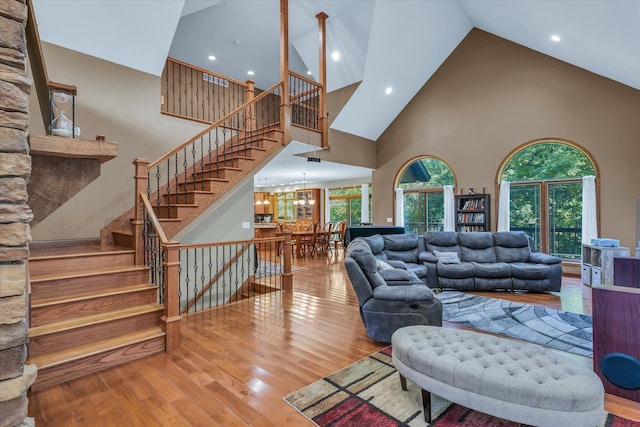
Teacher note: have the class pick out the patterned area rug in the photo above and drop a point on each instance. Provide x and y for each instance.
(561, 330)
(368, 393)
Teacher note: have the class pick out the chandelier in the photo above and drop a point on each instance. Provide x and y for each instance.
(304, 201)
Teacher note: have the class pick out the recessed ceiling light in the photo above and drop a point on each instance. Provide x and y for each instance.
(309, 72)
(335, 55)
(251, 73)
(212, 58)
(388, 90)
(555, 38)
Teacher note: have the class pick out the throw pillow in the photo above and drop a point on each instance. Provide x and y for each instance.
(383, 265)
(447, 257)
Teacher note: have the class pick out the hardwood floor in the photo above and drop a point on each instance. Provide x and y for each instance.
(237, 362)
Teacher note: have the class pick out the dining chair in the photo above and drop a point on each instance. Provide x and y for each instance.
(338, 234)
(323, 238)
(308, 241)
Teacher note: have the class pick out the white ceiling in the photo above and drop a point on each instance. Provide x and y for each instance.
(383, 43)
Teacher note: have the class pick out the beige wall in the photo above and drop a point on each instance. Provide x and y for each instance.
(492, 95)
(124, 105)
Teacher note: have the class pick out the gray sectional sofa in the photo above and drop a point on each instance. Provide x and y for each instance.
(489, 261)
(393, 274)
(470, 261)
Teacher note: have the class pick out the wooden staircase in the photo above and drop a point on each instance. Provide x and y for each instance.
(91, 309)
(203, 186)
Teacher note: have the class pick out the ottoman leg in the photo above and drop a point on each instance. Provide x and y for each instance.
(403, 382)
(426, 405)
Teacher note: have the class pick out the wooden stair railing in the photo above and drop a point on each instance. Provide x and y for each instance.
(161, 255)
(184, 182)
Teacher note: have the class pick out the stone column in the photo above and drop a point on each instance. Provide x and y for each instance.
(15, 215)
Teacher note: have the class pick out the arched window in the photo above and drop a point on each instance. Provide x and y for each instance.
(422, 180)
(546, 194)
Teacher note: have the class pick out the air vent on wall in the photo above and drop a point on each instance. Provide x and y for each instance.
(215, 80)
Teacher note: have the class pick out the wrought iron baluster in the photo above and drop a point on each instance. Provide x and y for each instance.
(185, 174)
(168, 193)
(180, 253)
(210, 265)
(224, 282)
(209, 153)
(195, 279)
(158, 175)
(186, 279)
(201, 156)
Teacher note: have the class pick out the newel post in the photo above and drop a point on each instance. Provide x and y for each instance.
(250, 113)
(323, 118)
(141, 179)
(171, 318)
(287, 250)
(285, 107)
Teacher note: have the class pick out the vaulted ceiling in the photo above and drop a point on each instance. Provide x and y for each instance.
(383, 44)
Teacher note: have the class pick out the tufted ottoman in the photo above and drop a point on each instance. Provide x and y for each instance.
(501, 377)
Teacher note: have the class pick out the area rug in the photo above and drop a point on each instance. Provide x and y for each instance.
(560, 330)
(368, 394)
(266, 268)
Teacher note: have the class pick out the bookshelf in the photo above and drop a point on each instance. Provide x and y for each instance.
(473, 213)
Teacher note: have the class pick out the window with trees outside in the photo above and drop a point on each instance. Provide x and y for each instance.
(345, 204)
(422, 181)
(546, 195)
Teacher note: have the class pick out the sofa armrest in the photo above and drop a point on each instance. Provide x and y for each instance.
(540, 258)
(404, 293)
(426, 256)
(395, 263)
(399, 277)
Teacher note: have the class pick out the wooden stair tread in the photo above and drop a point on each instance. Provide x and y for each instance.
(80, 322)
(81, 255)
(189, 180)
(52, 359)
(86, 273)
(45, 302)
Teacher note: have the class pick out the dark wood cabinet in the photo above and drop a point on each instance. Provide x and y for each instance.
(626, 271)
(473, 212)
(615, 330)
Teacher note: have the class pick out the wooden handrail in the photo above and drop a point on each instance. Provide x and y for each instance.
(216, 124)
(203, 70)
(154, 219)
(38, 66)
(306, 79)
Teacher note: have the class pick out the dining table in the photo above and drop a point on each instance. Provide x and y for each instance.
(299, 237)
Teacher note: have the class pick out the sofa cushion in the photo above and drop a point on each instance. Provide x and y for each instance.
(383, 265)
(447, 257)
(456, 271)
(512, 254)
(418, 269)
(492, 270)
(527, 270)
(360, 251)
(511, 246)
(443, 241)
(408, 255)
(375, 242)
(400, 242)
(477, 246)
